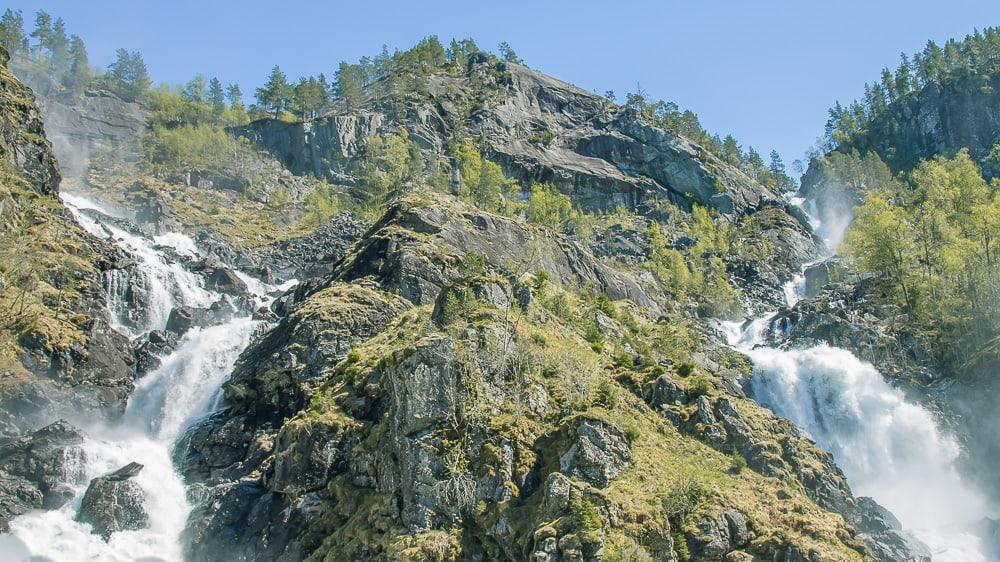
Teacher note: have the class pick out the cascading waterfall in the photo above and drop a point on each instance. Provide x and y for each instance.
(166, 401)
(890, 449)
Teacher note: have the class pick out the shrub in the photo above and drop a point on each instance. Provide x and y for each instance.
(320, 204)
(737, 462)
(606, 395)
(632, 433)
(700, 385)
(589, 519)
(683, 499)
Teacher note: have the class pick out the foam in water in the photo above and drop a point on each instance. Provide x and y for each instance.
(889, 449)
(166, 401)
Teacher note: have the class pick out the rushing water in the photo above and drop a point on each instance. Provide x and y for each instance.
(889, 448)
(165, 402)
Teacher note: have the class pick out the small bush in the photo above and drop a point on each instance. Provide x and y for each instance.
(685, 369)
(737, 462)
(632, 433)
(606, 395)
(683, 499)
(589, 519)
(699, 386)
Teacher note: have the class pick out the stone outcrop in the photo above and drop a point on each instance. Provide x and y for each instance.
(418, 247)
(603, 156)
(38, 471)
(114, 502)
(68, 358)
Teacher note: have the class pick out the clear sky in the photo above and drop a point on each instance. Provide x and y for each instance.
(765, 71)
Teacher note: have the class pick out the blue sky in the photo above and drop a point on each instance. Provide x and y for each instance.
(765, 71)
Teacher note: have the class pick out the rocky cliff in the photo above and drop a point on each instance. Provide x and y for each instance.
(540, 129)
(450, 392)
(57, 351)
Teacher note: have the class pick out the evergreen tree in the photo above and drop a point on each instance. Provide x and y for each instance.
(12, 36)
(194, 90)
(348, 85)
(43, 29)
(216, 97)
(78, 76)
(731, 152)
(508, 54)
(129, 77)
(235, 95)
(58, 45)
(308, 98)
(276, 93)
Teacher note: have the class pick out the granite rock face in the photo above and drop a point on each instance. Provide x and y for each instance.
(37, 471)
(114, 502)
(601, 155)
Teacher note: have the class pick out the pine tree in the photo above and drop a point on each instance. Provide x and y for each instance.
(216, 97)
(12, 36)
(58, 45)
(348, 85)
(78, 76)
(141, 82)
(194, 90)
(508, 54)
(235, 95)
(276, 93)
(43, 29)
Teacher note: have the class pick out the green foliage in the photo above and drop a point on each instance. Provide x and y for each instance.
(874, 122)
(701, 273)
(590, 520)
(606, 395)
(280, 199)
(178, 149)
(681, 547)
(473, 265)
(275, 95)
(932, 249)
(698, 386)
(737, 462)
(683, 499)
(548, 207)
(321, 204)
(483, 182)
(385, 168)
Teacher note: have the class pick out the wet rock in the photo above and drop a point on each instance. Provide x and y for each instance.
(181, 319)
(224, 280)
(148, 353)
(51, 459)
(114, 502)
(599, 453)
(17, 496)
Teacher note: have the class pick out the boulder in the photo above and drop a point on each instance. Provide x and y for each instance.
(114, 502)
(17, 496)
(224, 280)
(41, 468)
(598, 454)
(181, 319)
(718, 535)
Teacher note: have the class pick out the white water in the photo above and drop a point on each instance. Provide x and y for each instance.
(889, 449)
(166, 401)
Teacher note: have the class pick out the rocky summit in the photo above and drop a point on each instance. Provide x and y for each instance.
(444, 307)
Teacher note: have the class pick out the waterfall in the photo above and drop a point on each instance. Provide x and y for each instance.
(889, 448)
(184, 388)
